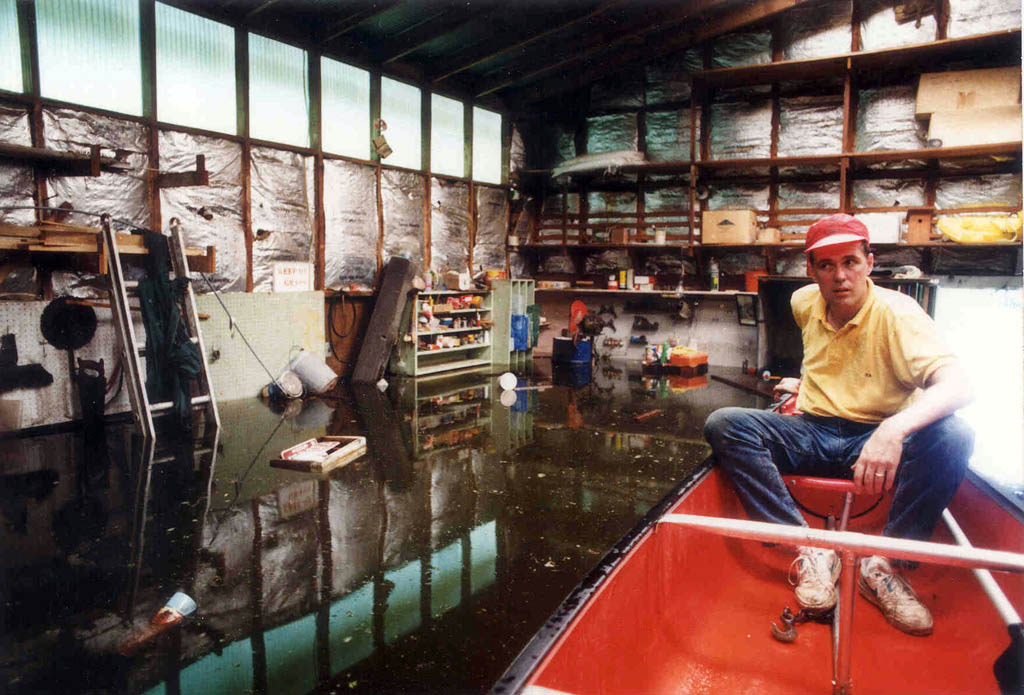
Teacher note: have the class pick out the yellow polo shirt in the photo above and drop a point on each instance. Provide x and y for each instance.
(872, 366)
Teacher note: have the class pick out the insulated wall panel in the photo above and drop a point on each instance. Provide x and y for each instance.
(810, 125)
(816, 30)
(967, 17)
(122, 194)
(965, 191)
(741, 129)
(210, 215)
(738, 197)
(668, 135)
(17, 181)
(351, 231)
(880, 193)
(282, 212)
(625, 91)
(491, 221)
(449, 226)
(668, 79)
(747, 48)
(879, 28)
(611, 133)
(402, 194)
(823, 195)
(886, 120)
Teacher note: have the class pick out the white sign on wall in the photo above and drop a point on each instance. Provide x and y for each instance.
(293, 277)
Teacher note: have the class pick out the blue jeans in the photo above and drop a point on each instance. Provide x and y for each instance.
(757, 447)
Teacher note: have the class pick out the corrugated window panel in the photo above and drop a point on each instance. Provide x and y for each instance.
(10, 48)
(400, 110)
(486, 145)
(195, 71)
(89, 53)
(447, 136)
(278, 92)
(345, 105)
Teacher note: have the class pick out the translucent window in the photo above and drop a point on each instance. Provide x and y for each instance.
(278, 92)
(345, 115)
(195, 71)
(447, 143)
(10, 48)
(486, 146)
(89, 53)
(400, 109)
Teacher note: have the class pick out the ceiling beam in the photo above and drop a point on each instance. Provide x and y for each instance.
(259, 8)
(447, 22)
(344, 24)
(468, 63)
(674, 42)
(616, 36)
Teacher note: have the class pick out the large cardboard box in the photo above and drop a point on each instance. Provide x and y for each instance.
(728, 227)
(967, 89)
(976, 126)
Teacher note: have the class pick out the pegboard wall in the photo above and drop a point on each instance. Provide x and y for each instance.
(276, 325)
(58, 402)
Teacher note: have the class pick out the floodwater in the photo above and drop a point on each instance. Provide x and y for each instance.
(422, 567)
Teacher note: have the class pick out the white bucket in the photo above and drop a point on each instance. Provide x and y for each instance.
(313, 372)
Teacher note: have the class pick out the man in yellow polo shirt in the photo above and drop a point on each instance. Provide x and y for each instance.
(877, 392)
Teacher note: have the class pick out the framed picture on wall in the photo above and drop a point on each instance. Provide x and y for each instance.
(746, 309)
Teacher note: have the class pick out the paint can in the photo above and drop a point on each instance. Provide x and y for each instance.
(287, 386)
(314, 372)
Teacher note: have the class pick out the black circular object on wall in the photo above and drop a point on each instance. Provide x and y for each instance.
(67, 326)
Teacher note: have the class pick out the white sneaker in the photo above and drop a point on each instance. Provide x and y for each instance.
(892, 593)
(817, 570)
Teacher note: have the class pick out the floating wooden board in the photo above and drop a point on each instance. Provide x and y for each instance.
(298, 458)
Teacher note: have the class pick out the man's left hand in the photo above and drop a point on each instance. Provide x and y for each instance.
(875, 469)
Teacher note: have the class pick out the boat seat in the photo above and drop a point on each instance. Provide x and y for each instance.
(809, 482)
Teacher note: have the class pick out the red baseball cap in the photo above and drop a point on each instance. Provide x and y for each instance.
(834, 230)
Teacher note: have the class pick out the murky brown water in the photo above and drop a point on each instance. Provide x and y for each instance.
(423, 567)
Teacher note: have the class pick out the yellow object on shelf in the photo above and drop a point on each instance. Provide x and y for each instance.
(981, 229)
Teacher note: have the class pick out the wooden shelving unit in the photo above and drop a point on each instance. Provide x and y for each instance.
(855, 70)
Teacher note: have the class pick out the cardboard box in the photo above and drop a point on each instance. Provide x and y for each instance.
(728, 227)
(967, 89)
(976, 126)
(769, 235)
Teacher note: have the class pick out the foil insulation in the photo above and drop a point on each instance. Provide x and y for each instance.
(967, 191)
(824, 195)
(402, 193)
(815, 30)
(449, 226)
(810, 125)
(122, 193)
(558, 263)
(886, 121)
(611, 133)
(210, 215)
(600, 203)
(879, 28)
(21, 282)
(675, 200)
(283, 209)
(565, 144)
(668, 79)
(967, 17)
(741, 129)
(737, 262)
(738, 197)
(668, 135)
(519, 266)
(17, 181)
(625, 91)
(968, 261)
(882, 193)
(351, 224)
(491, 224)
(790, 262)
(517, 154)
(745, 48)
(66, 283)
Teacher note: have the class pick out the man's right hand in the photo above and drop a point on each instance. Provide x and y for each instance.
(786, 385)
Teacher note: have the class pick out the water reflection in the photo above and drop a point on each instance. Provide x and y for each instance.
(422, 567)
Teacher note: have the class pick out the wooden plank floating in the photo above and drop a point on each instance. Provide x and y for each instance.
(322, 454)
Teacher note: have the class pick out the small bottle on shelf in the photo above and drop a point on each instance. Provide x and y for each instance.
(713, 271)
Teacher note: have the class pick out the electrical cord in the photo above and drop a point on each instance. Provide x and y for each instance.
(334, 333)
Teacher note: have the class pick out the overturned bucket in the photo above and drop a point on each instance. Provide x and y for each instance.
(314, 372)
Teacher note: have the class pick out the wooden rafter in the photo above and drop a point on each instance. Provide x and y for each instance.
(346, 23)
(636, 31)
(672, 43)
(454, 68)
(446, 23)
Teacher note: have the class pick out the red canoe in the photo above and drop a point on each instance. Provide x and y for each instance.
(680, 608)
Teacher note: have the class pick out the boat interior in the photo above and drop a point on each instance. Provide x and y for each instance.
(690, 612)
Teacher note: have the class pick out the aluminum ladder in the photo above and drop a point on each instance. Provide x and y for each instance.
(132, 351)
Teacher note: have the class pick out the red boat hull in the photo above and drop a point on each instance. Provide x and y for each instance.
(688, 612)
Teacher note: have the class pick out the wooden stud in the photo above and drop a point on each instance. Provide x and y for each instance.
(316, 140)
(242, 101)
